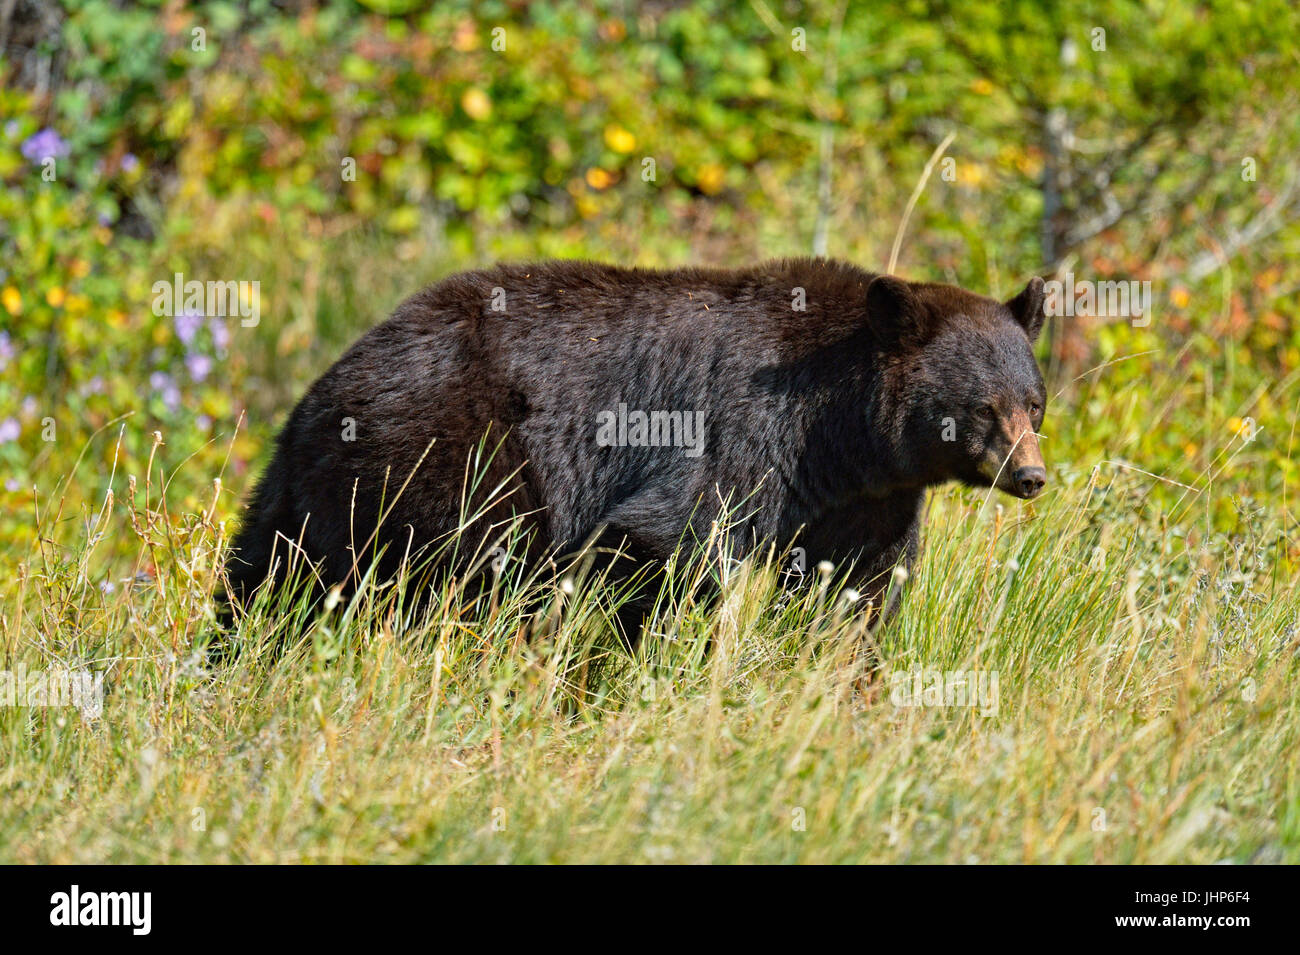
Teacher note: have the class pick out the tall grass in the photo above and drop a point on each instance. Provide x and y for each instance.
(1140, 619)
(1144, 709)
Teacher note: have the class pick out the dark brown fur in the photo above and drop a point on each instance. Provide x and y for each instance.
(836, 418)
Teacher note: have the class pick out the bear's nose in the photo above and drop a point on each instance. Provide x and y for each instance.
(1029, 481)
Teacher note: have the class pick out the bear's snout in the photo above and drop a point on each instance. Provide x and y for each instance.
(1029, 481)
(1019, 468)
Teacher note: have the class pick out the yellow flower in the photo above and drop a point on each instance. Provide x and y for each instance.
(598, 178)
(982, 86)
(711, 177)
(54, 296)
(1031, 164)
(465, 38)
(476, 104)
(619, 139)
(13, 301)
(1180, 297)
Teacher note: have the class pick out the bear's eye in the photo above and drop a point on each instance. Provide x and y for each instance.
(1035, 409)
(986, 412)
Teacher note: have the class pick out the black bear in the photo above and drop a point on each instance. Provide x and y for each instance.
(629, 404)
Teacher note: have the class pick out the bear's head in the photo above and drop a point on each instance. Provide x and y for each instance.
(967, 394)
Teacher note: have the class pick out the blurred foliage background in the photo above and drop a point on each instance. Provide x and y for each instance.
(343, 153)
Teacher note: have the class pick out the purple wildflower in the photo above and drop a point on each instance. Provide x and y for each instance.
(198, 365)
(187, 326)
(10, 429)
(220, 335)
(41, 146)
(164, 386)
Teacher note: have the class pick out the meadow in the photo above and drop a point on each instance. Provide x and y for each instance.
(1103, 675)
(1142, 709)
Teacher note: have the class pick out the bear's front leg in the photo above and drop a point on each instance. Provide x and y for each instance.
(869, 540)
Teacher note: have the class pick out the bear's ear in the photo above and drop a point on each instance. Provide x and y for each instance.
(1027, 308)
(891, 300)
